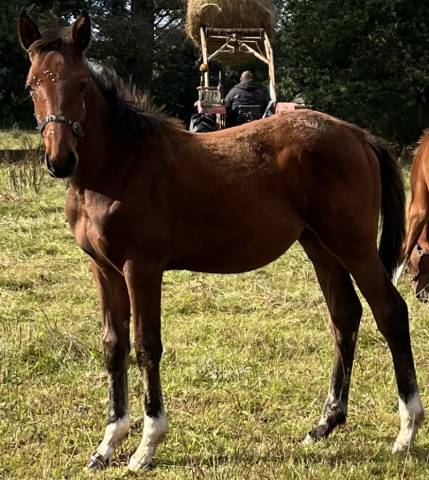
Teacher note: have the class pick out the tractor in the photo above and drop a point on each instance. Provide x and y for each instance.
(232, 46)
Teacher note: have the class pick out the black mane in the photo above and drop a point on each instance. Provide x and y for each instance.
(134, 114)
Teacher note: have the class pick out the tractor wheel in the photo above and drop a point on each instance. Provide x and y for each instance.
(202, 122)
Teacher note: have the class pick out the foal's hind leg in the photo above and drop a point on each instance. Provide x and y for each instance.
(345, 312)
(391, 315)
(116, 316)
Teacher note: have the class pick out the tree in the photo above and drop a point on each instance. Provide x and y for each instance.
(142, 39)
(125, 38)
(363, 61)
(14, 108)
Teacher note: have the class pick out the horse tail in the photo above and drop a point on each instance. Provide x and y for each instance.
(392, 208)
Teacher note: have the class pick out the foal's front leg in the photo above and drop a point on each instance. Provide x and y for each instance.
(144, 287)
(115, 307)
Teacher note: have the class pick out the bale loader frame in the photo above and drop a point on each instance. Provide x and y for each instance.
(228, 45)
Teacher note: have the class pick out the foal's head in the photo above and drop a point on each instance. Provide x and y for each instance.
(57, 81)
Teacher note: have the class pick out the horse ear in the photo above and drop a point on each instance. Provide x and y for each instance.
(28, 31)
(81, 32)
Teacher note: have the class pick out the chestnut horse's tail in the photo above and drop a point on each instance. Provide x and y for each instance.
(392, 208)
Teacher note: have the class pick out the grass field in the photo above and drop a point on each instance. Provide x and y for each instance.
(245, 371)
(16, 139)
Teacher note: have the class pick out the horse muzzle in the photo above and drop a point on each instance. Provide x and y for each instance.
(422, 290)
(62, 169)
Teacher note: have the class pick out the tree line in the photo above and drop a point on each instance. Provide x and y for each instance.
(366, 62)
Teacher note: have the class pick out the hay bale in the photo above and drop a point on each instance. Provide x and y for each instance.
(229, 14)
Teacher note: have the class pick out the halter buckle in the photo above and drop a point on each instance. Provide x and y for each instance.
(77, 129)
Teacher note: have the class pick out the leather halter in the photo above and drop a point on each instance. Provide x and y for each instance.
(60, 118)
(421, 253)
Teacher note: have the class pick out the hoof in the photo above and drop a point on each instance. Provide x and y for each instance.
(318, 433)
(412, 415)
(308, 440)
(400, 447)
(97, 462)
(134, 465)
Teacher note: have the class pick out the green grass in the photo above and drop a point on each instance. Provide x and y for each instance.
(245, 371)
(17, 139)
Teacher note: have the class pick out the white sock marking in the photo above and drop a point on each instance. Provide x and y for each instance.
(331, 408)
(412, 415)
(154, 430)
(113, 434)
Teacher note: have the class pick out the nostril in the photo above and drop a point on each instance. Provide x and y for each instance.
(61, 169)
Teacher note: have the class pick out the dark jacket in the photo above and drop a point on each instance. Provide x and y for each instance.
(244, 93)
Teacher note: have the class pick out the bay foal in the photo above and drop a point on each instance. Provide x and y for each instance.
(146, 196)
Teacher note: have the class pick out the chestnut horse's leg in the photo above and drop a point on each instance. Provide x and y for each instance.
(418, 215)
(345, 311)
(115, 307)
(144, 287)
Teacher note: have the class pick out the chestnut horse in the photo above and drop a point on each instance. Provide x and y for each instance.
(147, 196)
(416, 246)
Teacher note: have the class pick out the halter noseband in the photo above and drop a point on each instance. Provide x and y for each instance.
(60, 118)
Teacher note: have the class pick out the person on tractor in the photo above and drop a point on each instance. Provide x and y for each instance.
(245, 102)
